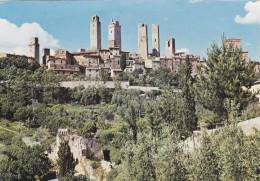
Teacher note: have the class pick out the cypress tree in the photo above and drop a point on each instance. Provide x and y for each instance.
(189, 105)
(66, 162)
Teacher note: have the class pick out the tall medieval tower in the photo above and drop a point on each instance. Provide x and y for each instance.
(155, 40)
(170, 48)
(143, 41)
(95, 33)
(114, 35)
(34, 49)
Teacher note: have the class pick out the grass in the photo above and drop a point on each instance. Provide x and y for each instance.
(15, 127)
(11, 130)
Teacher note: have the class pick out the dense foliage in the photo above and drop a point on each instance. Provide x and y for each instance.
(223, 83)
(24, 164)
(148, 136)
(66, 162)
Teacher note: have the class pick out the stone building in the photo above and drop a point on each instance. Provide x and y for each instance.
(62, 62)
(155, 40)
(9, 55)
(34, 49)
(236, 43)
(95, 33)
(170, 48)
(32, 57)
(143, 41)
(95, 61)
(46, 53)
(114, 35)
(173, 64)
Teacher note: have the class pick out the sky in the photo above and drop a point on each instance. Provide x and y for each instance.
(195, 24)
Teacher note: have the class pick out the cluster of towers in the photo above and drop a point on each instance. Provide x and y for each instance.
(114, 34)
(143, 42)
(114, 38)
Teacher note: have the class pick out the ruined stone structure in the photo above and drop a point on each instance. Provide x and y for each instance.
(155, 40)
(95, 33)
(85, 151)
(114, 35)
(80, 146)
(34, 49)
(257, 67)
(170, 48)
(143, 41)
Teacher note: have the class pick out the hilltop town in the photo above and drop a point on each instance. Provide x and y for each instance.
(109, 114)
(113, 60)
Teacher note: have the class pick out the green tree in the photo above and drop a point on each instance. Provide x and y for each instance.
(170, 163)
(66, 162)
(221, 81)
(170, 113)
(238, 153)
(70, 177)
(189, 105)
(204, 160)
(24, 164)
(131, 115)
(139, 161)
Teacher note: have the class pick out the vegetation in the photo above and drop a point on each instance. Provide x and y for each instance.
(223, 82)
(158, 78)
(148, 136)
(66, 162)
(24, 163)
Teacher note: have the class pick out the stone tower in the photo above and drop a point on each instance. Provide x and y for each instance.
(143, 41)
(155, 40)
(46, 53)
(95, 33)
(114, 35)
(34, 49)
(170, 48)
